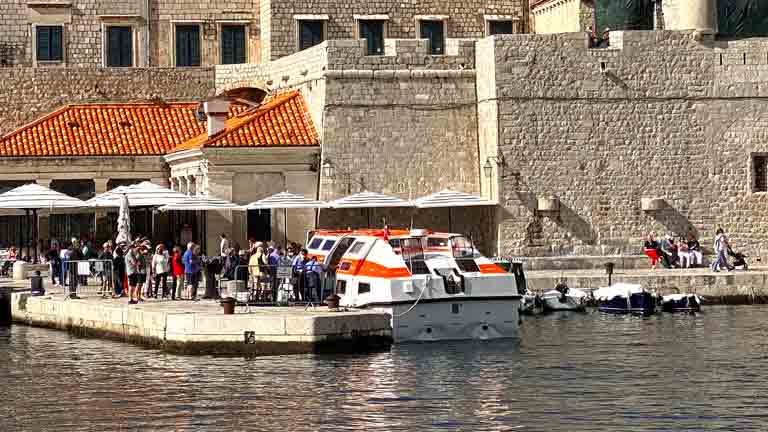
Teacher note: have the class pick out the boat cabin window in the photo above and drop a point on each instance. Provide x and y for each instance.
(356, 248)
(328, 245)
(316, 242)
(363, 288)
(437, 242)
(462, 247)
(412, 251)
(344, 244)
(395, 243)
(341, 287)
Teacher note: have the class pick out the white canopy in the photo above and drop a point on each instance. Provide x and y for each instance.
(369, 200)
(202, 202)
(285, 200)
(144, 194)
(34, 196)
(448, 198)
(617, 290)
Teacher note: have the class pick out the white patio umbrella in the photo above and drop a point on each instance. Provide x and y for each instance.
(449, 199)
(201, 204)
(285, 201)
(145, 195)
(124, 222)
(369, 200)
(32, 198)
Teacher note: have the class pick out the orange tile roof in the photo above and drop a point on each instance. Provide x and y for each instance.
(120, 129)
(281, 120)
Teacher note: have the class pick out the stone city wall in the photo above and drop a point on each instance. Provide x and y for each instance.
(465, 19)
(28, 93)
(659, 115)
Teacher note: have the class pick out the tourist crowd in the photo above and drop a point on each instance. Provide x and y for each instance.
(137, 270)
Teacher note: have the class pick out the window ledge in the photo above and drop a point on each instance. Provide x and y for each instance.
(501, 18)
(431, 17)
(310, 17)
(371, 17)
(52, 3)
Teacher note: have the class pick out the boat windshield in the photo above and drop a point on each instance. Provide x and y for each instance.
(412, 250)
(338, 253)
(462, 247)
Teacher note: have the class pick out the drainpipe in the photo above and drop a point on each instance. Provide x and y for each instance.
(147, 45)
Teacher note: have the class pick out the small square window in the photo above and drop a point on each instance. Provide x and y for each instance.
(119, 46)
(373, 33)
(760, 173)
(341, 287)
(49, 43)
(363, 288)
(434, 31)
(311, 33)
(232, 44)
(500, 27)
(187, 45)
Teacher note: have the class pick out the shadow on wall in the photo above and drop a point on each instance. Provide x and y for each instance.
(578, 228)
(673, 221)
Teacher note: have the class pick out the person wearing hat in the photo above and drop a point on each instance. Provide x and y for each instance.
(605, 41)
(669, 252)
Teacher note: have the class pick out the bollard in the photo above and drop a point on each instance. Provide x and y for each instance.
(5, 307)
(20, 271)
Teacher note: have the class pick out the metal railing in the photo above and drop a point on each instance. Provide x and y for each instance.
(88, 277)
(271, 285)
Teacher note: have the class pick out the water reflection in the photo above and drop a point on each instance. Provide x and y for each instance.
(587, 372)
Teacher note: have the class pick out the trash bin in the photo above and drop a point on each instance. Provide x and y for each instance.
(228, 304)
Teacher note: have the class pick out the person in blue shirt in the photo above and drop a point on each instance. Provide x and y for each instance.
(312, 272)
(191, 262)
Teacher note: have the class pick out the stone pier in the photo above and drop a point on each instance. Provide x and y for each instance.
(202, 328)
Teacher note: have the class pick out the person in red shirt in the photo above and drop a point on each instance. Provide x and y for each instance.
(177, 268)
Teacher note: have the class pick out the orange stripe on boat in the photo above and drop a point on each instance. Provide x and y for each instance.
(490, 268)
(370, 269)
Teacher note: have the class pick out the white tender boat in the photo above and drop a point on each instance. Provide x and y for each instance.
(563, 298)
(436, 286)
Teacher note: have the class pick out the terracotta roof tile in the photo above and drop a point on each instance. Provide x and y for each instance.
(281, 120)
(129, 129)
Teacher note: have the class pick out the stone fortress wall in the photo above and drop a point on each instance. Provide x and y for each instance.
(668, 115)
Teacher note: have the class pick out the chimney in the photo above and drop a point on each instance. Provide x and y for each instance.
(216, 110)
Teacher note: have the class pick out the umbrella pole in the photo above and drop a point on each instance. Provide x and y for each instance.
(28, 234)
(20, 237)
(369, 218)
(450, 220)
(285, 227)
(35, 235)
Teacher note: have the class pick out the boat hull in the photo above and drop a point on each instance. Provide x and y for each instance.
(553, 304)
(636, 303)
(686, 304)
(454, 319)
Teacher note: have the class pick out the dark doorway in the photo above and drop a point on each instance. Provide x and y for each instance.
(260, 225)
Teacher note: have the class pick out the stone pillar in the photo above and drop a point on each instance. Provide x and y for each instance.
(174, 185)
(102, 233)
(44, 221)
(228, 222)
(191, 185)
(697, 15)
(299, 220)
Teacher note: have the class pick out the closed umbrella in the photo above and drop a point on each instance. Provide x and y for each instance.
(285, 201)
(124, 222)
(449, 199)
(34, 197)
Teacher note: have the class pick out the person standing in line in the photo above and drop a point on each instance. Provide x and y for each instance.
(177, 266)
(160, 268)
(54, 259)
(118, 267)
(144, 262)
(105, 272)
(132, 269)
(197, 270)
(223, 245)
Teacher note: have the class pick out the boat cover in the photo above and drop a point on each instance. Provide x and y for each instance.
(617, 290)
(678, 297)
(572, 292)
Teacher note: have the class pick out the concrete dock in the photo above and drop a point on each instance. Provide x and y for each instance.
(736, 287)
(201, 327)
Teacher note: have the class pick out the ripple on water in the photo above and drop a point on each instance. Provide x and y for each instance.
(579, 372)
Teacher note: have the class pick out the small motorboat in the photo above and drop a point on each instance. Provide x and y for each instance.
(528, 304)
(563, 298)
(622, 298)
(688, 303)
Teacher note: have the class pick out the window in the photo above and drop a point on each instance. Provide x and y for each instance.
(500, 27)
(363, 288)
(328, 245)
(434, 31)
(119, 46)
(760, 173)
(437, 242)
(316, 242)
(341, 287)
(356, 248)
(311, 33)
(373, 33)
(50, 43)
(187, 45)
(232, 44)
